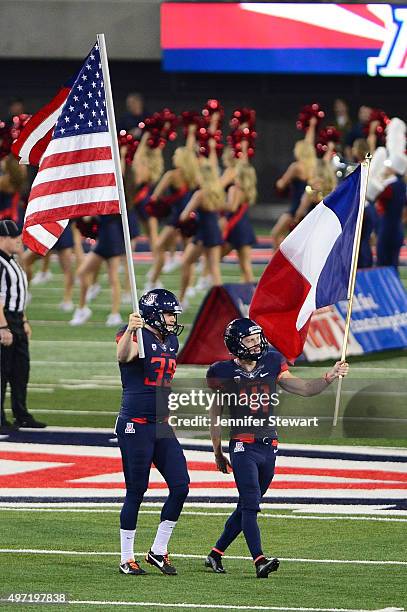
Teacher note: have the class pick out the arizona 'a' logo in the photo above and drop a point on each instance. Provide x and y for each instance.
(392, 59)
(150, 299)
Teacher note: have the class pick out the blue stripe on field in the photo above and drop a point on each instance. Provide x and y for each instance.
(393, 504)
(109, 440)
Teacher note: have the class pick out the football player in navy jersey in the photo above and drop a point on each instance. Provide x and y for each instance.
(142, 428)
(252, 374)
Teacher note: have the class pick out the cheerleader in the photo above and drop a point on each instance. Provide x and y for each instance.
(238, 233)
(109, 248)
(147, 167)
(182, 181)
(297, 176)
(392, 199)
(12, 179)
(322, 183)
(208, 201)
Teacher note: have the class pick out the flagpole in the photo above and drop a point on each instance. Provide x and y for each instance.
(352, 278)
(119, 180)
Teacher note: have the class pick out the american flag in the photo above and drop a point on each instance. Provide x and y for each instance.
(76, 171)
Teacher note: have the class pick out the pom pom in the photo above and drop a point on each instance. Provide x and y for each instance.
(130, 143)
(161, 127)
(189, 227)
(243, 135)
(325, 136)
(311, 110)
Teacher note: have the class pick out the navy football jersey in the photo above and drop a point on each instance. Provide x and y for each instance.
(246, 394)
(146, 383)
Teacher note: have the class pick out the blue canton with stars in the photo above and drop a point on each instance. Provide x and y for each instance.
(85, 108)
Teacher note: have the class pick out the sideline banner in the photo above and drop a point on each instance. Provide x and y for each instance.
(379, 320)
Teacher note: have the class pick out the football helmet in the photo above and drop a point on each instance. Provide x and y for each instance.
(154, 304)
(239, 329)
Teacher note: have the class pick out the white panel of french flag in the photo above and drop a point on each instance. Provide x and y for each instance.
(311, 269)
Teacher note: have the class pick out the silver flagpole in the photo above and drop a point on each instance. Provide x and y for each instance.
(119, 181)
(365, 167)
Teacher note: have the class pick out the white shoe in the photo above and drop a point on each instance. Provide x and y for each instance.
(190, 292)
(92, 292)
(66, 306)
(41, 278)
(126, 298)
(172, 264)
(80, 316)
(185, 304)
(114, 319)
(204, 283)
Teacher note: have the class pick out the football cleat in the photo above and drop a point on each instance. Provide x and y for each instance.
(161, 562)
(215, 563)
(131, 567)
(266, 566)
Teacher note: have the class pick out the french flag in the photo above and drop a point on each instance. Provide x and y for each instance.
(312, 267)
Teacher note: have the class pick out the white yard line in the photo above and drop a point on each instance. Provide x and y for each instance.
(188, 606)
(45, 551)
(19, 507)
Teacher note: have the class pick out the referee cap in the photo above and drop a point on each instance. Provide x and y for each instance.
(9, 228)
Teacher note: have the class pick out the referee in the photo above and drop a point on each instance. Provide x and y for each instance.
(15, 330)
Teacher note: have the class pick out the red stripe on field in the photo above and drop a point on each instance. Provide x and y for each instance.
(76, 157)
(72, 184)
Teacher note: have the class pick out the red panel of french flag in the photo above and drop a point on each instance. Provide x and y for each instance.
(311, 269)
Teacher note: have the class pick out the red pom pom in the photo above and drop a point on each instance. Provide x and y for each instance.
(378, 115)
(242, 123)
(311, 110)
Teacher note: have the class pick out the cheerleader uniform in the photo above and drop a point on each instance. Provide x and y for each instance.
(297, 189)
(238, 231)
(65, 241)
(9, 205)
(133, 223)
(365, 252)
(390, 235)
(141, 200)
(110, 241)
(208, 232)
(179, 199)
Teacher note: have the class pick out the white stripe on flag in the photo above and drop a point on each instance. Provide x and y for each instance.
(39, 132)
(43, 236)
(103, 166)
(307, 248)
(78, 143)
(71, 198)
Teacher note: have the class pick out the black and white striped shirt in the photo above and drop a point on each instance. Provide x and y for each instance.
(13, 284)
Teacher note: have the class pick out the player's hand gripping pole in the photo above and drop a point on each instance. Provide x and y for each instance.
(352, 278)
(119, 181)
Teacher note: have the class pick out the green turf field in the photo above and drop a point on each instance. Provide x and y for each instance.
(74, 376)
(307, 577)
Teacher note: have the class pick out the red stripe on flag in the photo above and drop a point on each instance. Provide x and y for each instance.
(277, 301)
(33, 244)
(53, 228)
(72, 184)
(39, 148)
(107, 207)
(39, 118)
(76, 157)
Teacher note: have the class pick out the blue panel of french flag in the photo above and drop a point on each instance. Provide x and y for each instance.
(311, 269)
